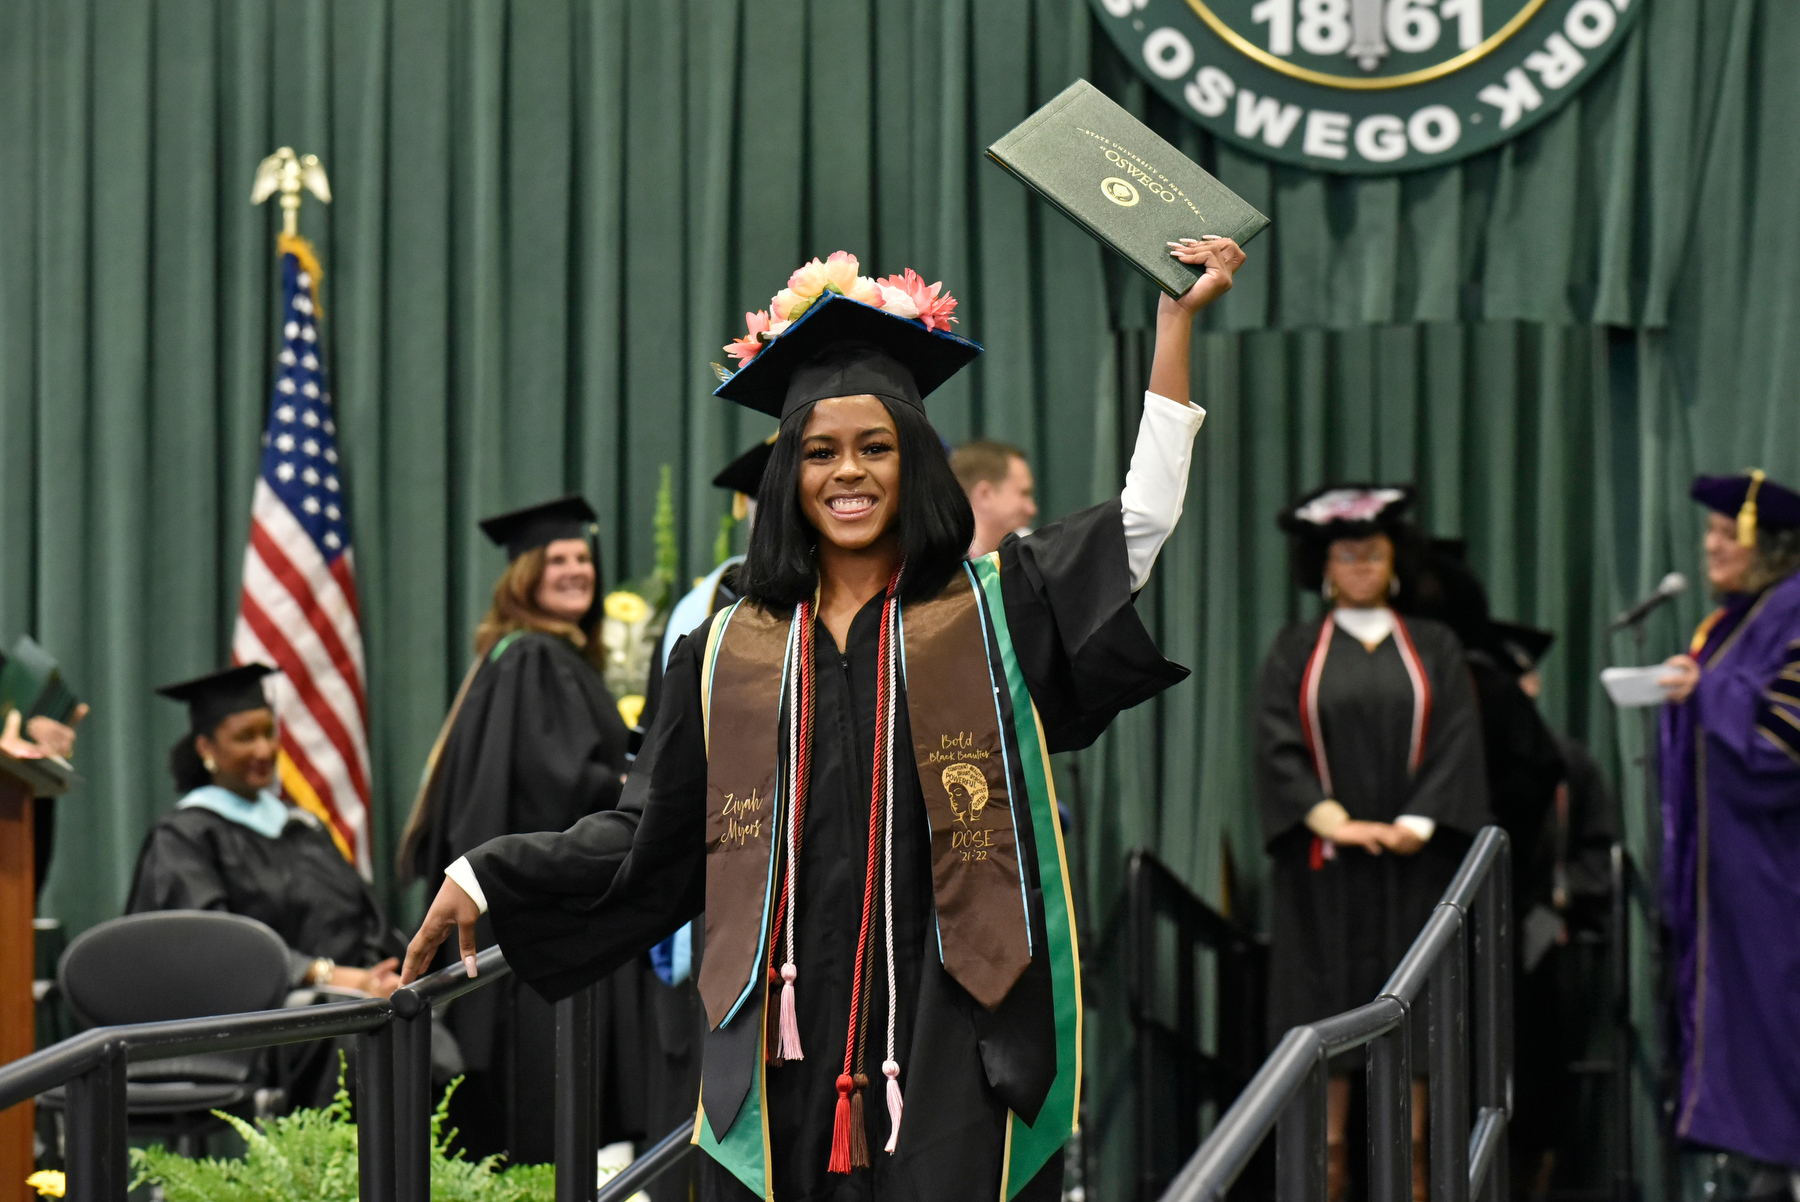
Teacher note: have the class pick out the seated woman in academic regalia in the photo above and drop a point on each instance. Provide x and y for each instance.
(1369, 775)
(231, 844)
(533, 742)
(849, 774)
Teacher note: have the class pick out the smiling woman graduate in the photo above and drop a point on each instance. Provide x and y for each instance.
(849, 773)
(533, 742)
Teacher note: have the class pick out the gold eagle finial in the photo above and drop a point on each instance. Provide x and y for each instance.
(288, 173)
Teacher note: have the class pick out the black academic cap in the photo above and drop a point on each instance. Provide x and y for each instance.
(540, 525)
(841, 347)
(1346, 511)
(216, 696)
(744, 474)
(1752, 499)
(1523, 645)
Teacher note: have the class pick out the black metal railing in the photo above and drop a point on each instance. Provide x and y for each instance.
(1469, 935)
(1177, 949)
(392, 1087)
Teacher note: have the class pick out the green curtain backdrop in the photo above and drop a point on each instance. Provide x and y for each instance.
(549, 215)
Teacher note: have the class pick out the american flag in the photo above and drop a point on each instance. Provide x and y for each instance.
(298, 610)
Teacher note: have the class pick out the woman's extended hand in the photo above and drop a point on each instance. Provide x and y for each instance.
(1219, 257)
(450, 908)
(1682, 677)
(1372, 837)
(379, 981)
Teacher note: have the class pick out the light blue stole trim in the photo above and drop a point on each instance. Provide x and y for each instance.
(694, 608)
(266, 815)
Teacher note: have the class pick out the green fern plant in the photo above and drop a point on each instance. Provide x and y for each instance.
(310, 1156)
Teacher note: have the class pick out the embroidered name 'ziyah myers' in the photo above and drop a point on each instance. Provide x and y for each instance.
(743, 734)
(961, 758)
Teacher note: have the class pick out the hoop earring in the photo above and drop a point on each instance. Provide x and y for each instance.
(1327, 594)
(1393, 586)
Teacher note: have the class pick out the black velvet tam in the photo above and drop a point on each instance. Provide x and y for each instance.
(1777, 507)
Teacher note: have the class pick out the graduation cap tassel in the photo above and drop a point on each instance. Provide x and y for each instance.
(1746, 518)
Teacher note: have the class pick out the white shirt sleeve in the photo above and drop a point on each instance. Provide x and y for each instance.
(1419, 825)
(1156, 485)
(464, 876)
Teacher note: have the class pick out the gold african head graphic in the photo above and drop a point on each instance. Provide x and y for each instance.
(974, 787)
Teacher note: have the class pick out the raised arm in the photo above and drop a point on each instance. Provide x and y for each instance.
(1219, 258)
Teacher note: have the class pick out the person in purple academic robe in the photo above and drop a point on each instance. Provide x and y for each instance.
(1731, 828)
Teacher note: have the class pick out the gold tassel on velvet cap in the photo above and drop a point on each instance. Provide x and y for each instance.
(1746, 518)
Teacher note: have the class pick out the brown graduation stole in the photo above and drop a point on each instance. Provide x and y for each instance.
(954, 711)
(962, 761)
(742, 680)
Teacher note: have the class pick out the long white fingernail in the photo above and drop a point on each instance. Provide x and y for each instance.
(469, 965)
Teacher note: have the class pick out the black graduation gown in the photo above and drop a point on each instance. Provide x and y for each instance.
(1338, 930)
(568, 908)
(299, 884)
(537, 744)
(1524, 766)
(677, 1015)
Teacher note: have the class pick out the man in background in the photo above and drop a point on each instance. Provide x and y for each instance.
(998, 483)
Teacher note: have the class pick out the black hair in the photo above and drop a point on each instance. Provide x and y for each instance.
(935, 522)
(186, 766)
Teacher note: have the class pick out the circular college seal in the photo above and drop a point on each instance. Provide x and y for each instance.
(1367, 86)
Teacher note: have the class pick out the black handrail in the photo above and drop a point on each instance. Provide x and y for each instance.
(392, 1087)
(1472, 923)
(1176, 1077)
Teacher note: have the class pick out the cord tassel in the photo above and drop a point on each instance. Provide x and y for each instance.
(895, 1106)
(790, 1023)
(859, 1131)
(840, 1127)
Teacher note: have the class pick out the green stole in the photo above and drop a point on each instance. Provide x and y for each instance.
(966, 775)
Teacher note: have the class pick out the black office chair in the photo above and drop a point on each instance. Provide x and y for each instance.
(171, 964)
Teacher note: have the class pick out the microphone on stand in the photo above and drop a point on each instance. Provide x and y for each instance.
(1672, 586)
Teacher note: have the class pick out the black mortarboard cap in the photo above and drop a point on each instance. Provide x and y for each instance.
(744, 474)
(1347, 511)
(1752, 499)
(216, 696)
(1524, 645)
(841, 347)
(540, 525)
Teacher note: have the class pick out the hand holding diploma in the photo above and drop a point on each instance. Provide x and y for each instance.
(1219, 258)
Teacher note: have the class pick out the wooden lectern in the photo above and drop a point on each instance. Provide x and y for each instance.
(20, 781)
